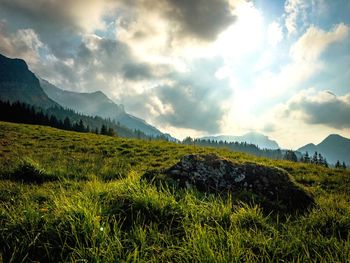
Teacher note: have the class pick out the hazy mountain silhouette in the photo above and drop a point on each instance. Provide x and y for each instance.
(334, 147)
(18, 83)
(261, 140)
(97, 103)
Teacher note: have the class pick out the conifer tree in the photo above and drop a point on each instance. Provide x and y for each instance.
(325, 163)
(337, 165)
(320, 159)
(67, 124)
(315, 158)
(110, 132)
(290, 156)
(81, 127)
(103, 130)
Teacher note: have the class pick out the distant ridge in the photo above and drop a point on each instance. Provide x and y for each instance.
(98, 104)
(334, 147)
(261, 140)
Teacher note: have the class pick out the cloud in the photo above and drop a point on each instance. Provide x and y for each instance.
(25, 44)
(84, 15)
(268, 128)
(61, 23)
(305, 62)
(319, 107)
(315, 41)
(294, 9)
(67, 30)
(298, 13)
(58, 23)
(194, 100)
(274, 34)
(201, 19)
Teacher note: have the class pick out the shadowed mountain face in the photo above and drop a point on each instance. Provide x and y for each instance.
(258, 139)
(97, 104)
(334, 148)
(18, 83)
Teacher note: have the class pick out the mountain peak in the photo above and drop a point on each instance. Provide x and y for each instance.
(334, 147)
(99, 93)
(334, 137)
(18, 83)
(15, 61)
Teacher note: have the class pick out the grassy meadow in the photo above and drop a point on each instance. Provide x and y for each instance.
(77, 197)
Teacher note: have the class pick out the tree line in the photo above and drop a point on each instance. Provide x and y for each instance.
(24, 113)
(253, 149)
(236, 146)
(67, 119)
(317, 159)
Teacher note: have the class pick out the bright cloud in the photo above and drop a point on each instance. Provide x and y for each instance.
(274, 34)
(310, 46)
(294, 10)
(25, 43)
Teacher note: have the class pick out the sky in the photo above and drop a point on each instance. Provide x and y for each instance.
(197, 68)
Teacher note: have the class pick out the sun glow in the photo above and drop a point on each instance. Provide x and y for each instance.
(244, 36)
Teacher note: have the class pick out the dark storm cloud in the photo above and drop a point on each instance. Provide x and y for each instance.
(200, 19)
(134, 71)
(331, 110)
(203, 19)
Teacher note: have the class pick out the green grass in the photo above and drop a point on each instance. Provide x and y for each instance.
(74, 197)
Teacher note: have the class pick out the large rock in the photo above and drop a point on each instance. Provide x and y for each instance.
(269, 186)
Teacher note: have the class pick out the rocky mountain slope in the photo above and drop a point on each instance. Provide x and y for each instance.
(98, 104)
(18, 83)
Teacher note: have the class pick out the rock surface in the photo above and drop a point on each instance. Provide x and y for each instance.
(269, 186)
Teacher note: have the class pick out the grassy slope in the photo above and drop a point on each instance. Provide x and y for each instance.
(89, 203)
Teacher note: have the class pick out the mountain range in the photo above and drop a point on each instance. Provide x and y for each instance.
(261, 140)
(18, 83)
(334, 147)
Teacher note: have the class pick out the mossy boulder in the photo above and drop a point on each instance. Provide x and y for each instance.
(271, 187)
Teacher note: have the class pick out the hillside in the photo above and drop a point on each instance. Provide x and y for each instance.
(334, 147)
(68, 196)
(58, 117)
(97, 104)
(261, 140)
(17, 82)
